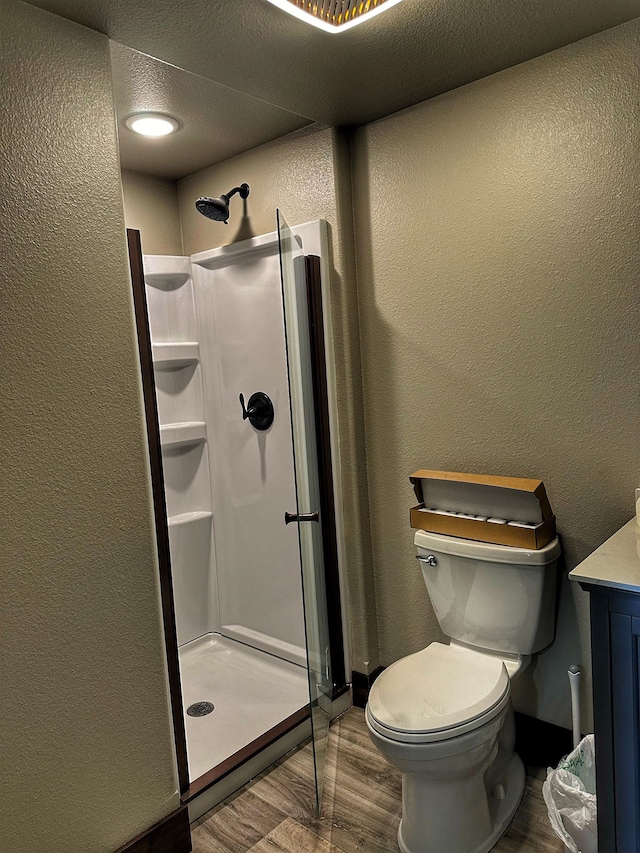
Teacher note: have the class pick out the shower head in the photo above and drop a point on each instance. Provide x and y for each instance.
(218, 208)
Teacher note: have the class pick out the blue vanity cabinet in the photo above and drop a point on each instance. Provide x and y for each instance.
(615, 647)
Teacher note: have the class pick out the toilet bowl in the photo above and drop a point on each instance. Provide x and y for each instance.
(443, 716)
(444, 720)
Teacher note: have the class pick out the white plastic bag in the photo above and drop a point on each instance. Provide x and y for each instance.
(570, 795)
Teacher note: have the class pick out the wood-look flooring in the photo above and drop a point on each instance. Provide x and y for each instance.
(361, 806)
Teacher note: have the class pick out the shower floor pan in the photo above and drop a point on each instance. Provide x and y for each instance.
(251, 691)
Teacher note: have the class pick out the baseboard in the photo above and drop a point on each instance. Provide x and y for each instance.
(361, 685)
(539, 743)
(171, 835)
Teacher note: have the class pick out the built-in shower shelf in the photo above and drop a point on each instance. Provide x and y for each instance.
(167, 356)
(166, 271)
(188, 517)
(183, 434)
(166, 279)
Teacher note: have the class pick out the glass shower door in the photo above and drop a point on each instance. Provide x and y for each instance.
(306, 516)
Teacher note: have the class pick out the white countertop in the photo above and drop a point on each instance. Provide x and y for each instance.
(616, 563)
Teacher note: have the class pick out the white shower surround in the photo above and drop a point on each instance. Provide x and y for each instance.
(239, 310)
(183, 435)
(236, 571)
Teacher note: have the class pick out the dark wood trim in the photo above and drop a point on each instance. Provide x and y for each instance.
(249, 751)
(325, 468)
(171, 835)
(541, 744)
(159, 502)
(362, 684)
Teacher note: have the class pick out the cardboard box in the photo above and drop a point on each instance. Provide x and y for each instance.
(521, 501)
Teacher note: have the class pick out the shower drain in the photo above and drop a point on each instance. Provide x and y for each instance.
(200, 709)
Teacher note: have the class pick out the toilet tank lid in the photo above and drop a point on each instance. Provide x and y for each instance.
(436, 689)
(439, 542)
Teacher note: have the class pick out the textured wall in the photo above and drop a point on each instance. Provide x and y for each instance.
(307, 175)
(294, 173)
(87, 757)
(498, 233)
(151, 206)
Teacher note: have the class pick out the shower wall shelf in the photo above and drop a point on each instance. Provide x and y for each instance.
(176, 354)
(188, 517)
(254, 248)
(166, 279)
(166, 270)
(180, 435)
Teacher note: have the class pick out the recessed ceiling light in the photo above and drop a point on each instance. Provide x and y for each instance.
(334, 16)
(152, 124)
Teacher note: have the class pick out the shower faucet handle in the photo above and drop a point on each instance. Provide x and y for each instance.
(260, 411)
(246, 413)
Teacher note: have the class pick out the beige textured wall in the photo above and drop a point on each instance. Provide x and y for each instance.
(87, 758)
(151, 206)
(498, 232)
(294, 173)
(307, 175)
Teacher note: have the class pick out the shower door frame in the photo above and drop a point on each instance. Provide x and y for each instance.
(190, 789)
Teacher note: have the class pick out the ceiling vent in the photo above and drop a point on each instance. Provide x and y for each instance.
(334, 16)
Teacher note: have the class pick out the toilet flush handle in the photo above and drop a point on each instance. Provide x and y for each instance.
(430, 560)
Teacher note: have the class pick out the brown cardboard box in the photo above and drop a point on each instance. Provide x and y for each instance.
(511, 498)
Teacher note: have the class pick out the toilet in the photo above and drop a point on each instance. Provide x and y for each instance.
(443, 716)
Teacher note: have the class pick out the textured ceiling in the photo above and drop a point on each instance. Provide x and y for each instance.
(414, 51)
(258, 73)
(215, 122)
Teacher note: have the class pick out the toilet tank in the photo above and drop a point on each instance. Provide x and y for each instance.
(491, 596)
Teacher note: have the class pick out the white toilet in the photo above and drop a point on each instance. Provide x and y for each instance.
(443, 716)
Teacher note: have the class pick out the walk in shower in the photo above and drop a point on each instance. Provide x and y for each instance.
(229, 327)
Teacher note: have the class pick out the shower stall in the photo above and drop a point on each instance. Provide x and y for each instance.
(238, 400)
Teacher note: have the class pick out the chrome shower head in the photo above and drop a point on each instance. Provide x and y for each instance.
(218, 208)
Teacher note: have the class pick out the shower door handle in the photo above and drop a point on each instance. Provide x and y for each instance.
(304, 516)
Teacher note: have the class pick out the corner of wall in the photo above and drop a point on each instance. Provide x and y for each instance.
(151, 207)
(363, 609)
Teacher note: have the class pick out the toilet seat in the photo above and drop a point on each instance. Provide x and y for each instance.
(438, 693)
